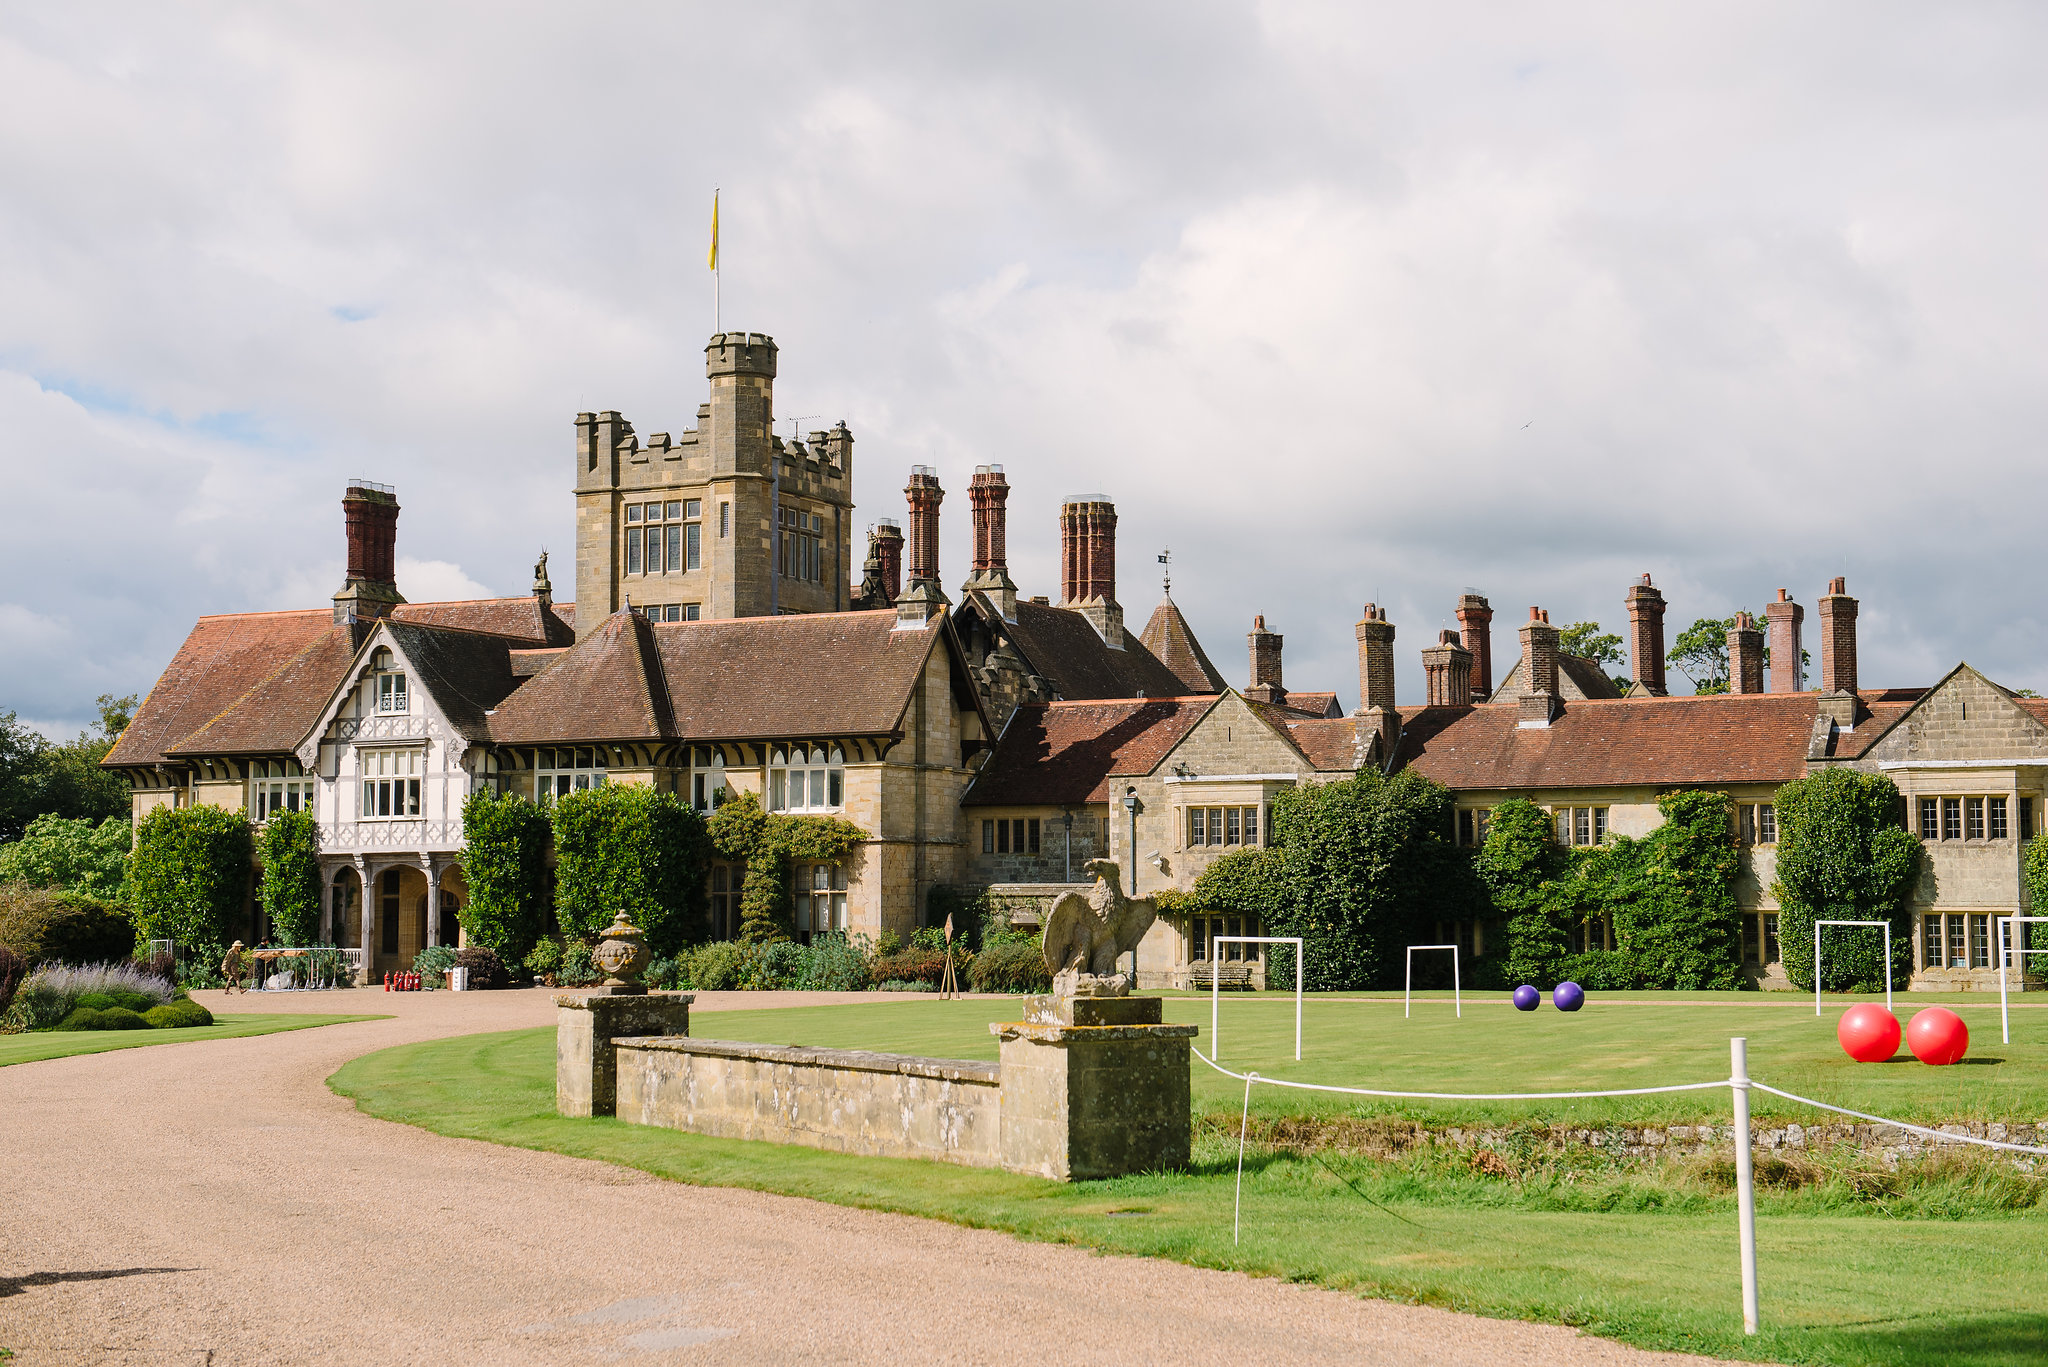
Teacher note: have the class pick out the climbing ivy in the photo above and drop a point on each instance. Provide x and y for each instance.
(505, 868)
(1517, 866)
(291, 877)
(627, 848)
(188, 879)
(767, 843)
(1844, 854)
(1365, 866)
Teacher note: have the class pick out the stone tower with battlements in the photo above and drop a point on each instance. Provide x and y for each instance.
(724, 520)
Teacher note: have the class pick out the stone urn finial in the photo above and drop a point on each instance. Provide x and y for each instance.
(622, 954)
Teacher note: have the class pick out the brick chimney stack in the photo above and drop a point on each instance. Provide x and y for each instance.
(1538, 699)
(889, 552)
(1745, 656)
(989, 493)
(1646, 636)
(1088, 564)
(1087, 548)
(1265, 683)
(1378, 728)
(924, 496)
(1447, 666)
(1375, 659)
(1475, 618)
(1785, 618)
(1837, 613)
(370, 517)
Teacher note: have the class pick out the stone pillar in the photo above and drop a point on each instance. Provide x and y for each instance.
(369, 920)
(433, 926)
(586, 1023)
(1093, 1088)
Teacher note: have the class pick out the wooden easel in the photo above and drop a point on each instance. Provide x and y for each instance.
(949, 984)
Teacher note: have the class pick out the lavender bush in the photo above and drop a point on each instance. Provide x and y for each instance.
(49, 994)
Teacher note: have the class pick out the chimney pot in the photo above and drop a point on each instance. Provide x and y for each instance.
(1375, 660)
(1538, 698)
(1745, 655)
(1837, 611)
(924, 496)
(1646, 636)
(1087, 548)
(1447, 669)
(1265, 646)
(1784, 618)
(1475, 617)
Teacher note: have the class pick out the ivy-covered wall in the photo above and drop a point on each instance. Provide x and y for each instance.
(768, 843)
(1844, 854)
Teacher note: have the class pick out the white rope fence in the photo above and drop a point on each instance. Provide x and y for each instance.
(1738, 1083)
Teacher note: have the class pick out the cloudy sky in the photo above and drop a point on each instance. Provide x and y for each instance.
(1344, 302)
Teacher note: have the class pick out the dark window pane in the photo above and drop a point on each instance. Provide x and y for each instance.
(1003, 837)
(693, 546)
(675, 549)
(633, 550)
(1034, 835)
(988, 837)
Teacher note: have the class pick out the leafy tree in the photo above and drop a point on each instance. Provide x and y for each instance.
(1588, 642)
(188, 879)
(55, 852)
(1515, 866)
(291, 876)
(38, 777)
(505, 842)
(1366, 864)
(1701, 654)
(631, 849)
(767, 842)
(1844, 854)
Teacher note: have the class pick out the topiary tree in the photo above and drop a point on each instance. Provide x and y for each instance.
(291, 876)
(767, 842)
(505, 867)
(188, 879)
(627, 848)
(1516, 866)
(1366, 862)
(55, 852)
(1844, 854)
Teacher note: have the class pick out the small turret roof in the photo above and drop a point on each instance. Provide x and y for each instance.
(1168, 636)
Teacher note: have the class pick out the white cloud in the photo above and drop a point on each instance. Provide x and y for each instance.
(1343, 302)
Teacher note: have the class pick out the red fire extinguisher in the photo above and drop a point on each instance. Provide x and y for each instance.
(387, 982)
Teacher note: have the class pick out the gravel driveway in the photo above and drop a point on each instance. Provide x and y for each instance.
(214, 1203)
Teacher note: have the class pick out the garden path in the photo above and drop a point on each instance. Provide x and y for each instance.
(214, 1203)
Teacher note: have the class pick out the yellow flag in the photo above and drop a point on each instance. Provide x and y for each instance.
(712, 260)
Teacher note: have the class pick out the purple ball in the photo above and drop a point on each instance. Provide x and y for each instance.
(1568, 997)
(1526, 998)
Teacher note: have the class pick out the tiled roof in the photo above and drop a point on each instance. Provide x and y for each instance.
(272, 716)
(520, 617)
(1316, 705)
(1064, 753)
(816, 674)
(467, 673)
(1724, 738)
(1169, 637)
(222, 659)
(1062, 647)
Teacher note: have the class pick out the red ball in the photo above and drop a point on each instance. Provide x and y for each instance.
(1868, 1032)
(1938, 1036)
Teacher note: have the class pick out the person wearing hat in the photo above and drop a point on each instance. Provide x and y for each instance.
(231, 967)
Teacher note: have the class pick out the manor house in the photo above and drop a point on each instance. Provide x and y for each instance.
(719, 643)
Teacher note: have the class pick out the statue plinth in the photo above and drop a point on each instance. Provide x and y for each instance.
(1063, 1010)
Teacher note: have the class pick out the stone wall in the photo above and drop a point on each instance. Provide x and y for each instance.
(883, 1105)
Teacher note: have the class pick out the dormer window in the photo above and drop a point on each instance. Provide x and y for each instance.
(388, 684)
(806, 778)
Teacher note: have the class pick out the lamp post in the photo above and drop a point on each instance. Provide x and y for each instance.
(1067, 820)
(1131, 806)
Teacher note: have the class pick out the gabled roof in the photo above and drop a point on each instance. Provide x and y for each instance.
(1172, 641)
(1065, 753)
(273, 716)
(466, 673)
(221, 660)
(520, 617)
(1318, 706)
(814, 674)
(1062, 647)
(1577, 677)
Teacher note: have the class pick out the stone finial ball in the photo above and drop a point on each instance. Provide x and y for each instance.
(1568, 997)
(1938, 1036)
(1526, 998)
(1868, 1032)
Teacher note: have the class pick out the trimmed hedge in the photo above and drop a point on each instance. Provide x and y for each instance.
(505, 867)
(188, 879)
(1844, 854)
(113, 1018)
(291, 877)
(182, 1014)
(631, 849)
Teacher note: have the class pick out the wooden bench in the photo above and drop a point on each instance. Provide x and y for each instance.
(1232, 975)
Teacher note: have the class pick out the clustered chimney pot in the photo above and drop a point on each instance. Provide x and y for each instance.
(1475, 617)
(1447, 669)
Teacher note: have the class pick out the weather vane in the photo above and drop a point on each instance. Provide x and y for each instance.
(1166, 574)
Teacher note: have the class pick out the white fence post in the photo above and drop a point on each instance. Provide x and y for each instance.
(2006, 951)
(1745, 1178)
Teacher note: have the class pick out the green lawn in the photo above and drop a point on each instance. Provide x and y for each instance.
(42, 1044)
(1650, 1264)
(1648, 1040)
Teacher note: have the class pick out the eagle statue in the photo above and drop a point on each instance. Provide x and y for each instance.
(1086, 933)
